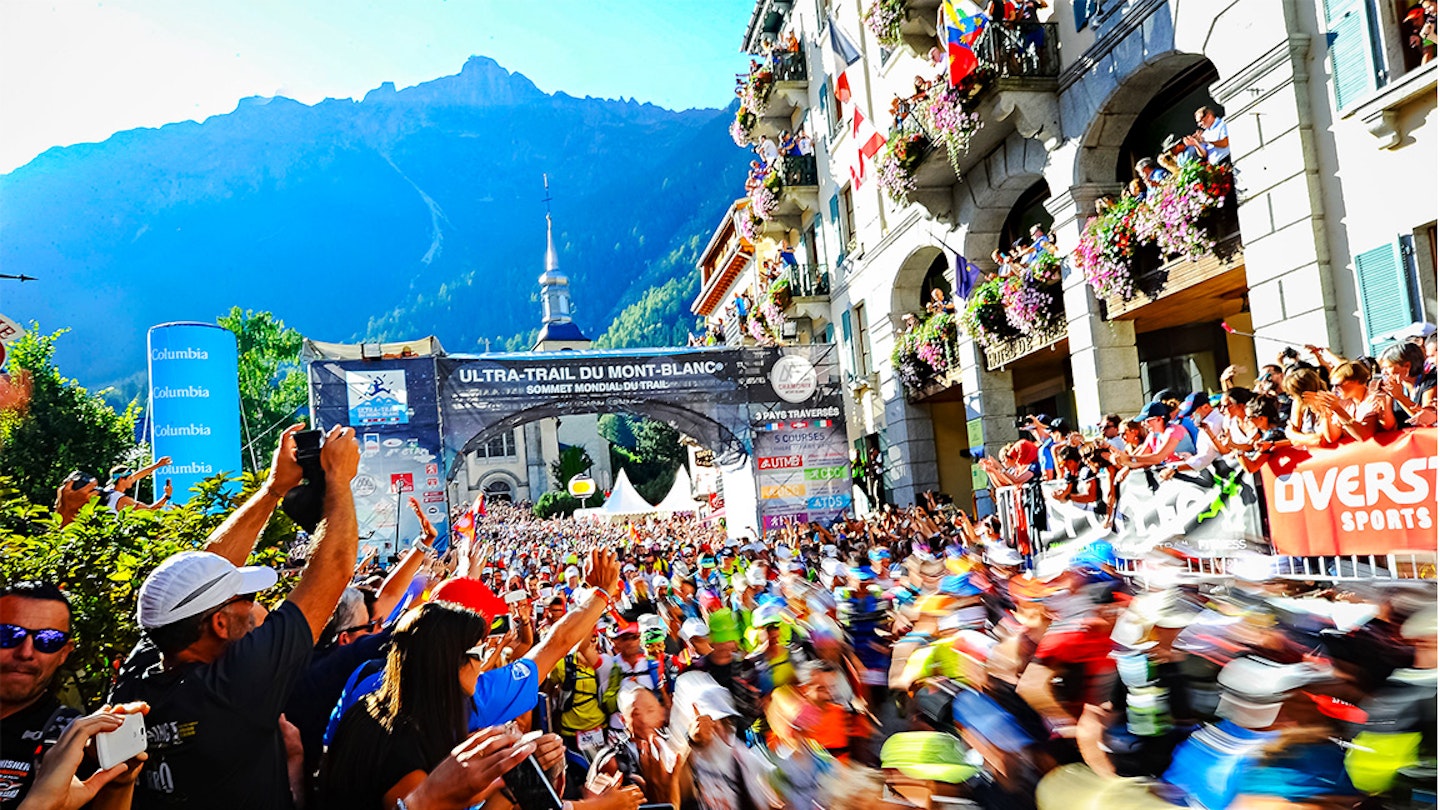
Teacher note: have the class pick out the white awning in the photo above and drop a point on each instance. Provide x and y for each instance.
(624, 500)
(678, 499)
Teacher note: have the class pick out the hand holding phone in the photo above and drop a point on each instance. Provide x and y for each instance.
(126, 742)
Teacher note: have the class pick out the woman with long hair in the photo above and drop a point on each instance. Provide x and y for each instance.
(390, 740)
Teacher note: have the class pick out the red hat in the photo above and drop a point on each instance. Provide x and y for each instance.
(472, 594)
(627, 627)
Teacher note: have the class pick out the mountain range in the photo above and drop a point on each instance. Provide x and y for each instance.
(406, 213)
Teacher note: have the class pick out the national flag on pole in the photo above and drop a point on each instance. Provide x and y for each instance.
(967, 277)
(842, 87)
(964, 23)
(465, 524)
(841, 45)
(868, 143)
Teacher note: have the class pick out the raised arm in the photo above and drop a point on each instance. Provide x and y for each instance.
(602, 574)
(235, 538)
(337, 537)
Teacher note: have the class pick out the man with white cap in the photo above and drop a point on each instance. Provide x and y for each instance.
(213, 729)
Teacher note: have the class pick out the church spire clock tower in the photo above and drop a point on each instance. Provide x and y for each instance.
(557, 331)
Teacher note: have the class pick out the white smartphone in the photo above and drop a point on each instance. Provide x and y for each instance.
(516, 597)
(114, 747)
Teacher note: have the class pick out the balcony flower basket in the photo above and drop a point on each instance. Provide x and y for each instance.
(884, 18)
(925, 352)
(781, 293)
(984, 318)
(1032, 302)
(765, 198)
(1170, 223)
(949, 119)
(895, 165)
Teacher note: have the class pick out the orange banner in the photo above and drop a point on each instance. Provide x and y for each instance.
(1373, 497)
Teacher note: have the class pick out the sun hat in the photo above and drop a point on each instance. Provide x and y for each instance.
(692, 628)
(927, 755)
(191, 582)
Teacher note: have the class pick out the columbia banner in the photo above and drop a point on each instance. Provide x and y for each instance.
(1213, 512)
(1372, 497)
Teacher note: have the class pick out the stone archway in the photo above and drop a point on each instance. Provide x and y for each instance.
(1101, 143)
(990, 192)
(910, 280)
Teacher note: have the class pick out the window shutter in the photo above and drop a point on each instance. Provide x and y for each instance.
(846, 339)
(1386, 300)
(1352, 53)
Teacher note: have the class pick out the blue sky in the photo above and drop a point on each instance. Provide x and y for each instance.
(76, 71)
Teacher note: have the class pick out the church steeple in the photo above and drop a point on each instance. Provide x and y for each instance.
(555, 292)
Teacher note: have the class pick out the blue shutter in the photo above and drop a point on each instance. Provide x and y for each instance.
(1386, 297)
(847, 339)
(1353, 67)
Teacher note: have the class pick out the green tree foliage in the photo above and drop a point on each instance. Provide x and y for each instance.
(62, 428)
(573, 460)
(660, 318)
(649, 451)
(101, 558)
(555, 503)
(272, 379)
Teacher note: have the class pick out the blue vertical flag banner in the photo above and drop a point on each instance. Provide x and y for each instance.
(194, 412)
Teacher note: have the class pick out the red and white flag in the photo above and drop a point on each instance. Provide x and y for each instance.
(868, 143)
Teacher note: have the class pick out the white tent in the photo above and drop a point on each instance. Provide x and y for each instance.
(678, 499)
(624, 500)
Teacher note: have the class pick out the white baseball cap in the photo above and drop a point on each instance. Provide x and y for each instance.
(191, 582)
(694, 627)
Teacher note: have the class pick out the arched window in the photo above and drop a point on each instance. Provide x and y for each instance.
(1029, 209)
(499, 490)
(1170, 112)
(935, 280)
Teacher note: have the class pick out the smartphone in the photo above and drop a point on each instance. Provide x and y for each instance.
(500, 626)
(516, 597)
(125, 742)
(530, 786)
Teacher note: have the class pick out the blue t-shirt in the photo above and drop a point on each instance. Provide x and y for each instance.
(501, 695)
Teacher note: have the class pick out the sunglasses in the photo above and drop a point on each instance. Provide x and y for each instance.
(48, 640)
(368, 627)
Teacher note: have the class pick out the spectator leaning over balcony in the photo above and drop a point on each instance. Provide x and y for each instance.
(787, 144)
(802, 140)
(1163, 443)
(1151, 174)
(767, 150)
(1175, 152)
(1407, 383)
(1212, 136)
(1309, 424)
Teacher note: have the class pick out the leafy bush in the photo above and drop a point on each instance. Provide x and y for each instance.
(555, 504)
(101, 558)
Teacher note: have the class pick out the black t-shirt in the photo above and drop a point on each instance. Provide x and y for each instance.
(378, 761)
(320, 686)
(25, 736)
(213, 729)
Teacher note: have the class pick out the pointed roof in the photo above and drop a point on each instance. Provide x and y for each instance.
(678, 499)
(624, 500)
(552, 274)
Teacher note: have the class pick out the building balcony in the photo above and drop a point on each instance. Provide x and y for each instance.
(799, 185)
(724, 259)
(772, 92)
(1004, 352)
(808, 282)
(1169, 292)
(1012, 90)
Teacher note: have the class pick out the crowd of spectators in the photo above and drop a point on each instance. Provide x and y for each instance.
(908, 658)
(1308, 398)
